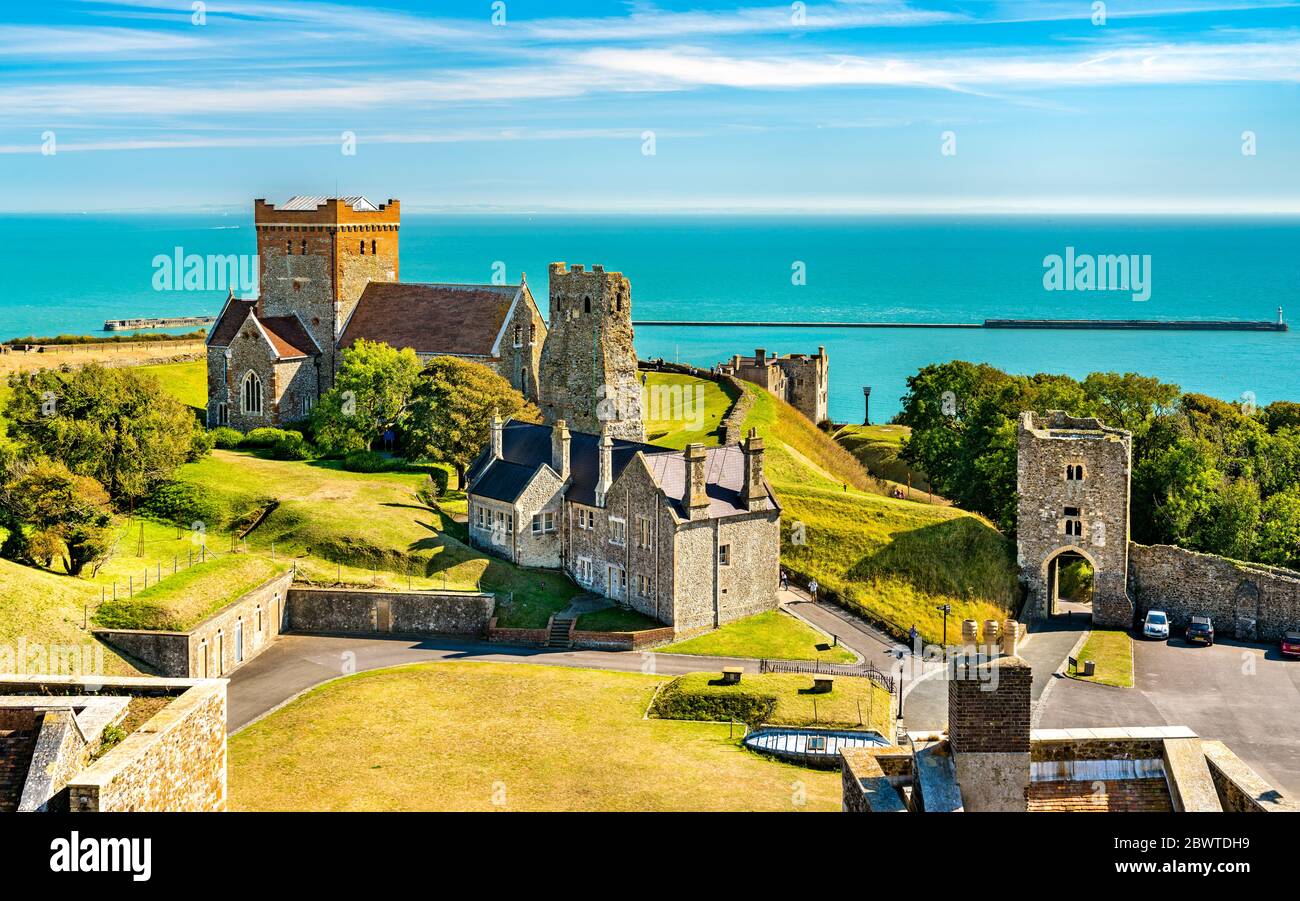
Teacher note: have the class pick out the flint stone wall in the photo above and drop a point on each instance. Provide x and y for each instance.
(339, 610)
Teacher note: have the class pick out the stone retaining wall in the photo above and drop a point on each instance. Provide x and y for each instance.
(1246, 600)
(229, 638)
(345, 610)
(623, 641)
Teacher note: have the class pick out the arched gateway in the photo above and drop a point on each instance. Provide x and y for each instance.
(1073, 485)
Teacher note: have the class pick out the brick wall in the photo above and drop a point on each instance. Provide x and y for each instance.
(988, 711)
(335, 610)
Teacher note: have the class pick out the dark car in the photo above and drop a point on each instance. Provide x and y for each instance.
(1291, 644)
(1200, 631)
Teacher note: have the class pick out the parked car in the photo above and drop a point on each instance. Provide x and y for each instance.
(1156, 624)
(1290, 644)
(1200, 631)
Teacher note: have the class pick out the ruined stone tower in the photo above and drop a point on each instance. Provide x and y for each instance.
(1073, 485)
(588, 366)
(317, 254)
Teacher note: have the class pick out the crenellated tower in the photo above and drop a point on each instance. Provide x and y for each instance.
(588, 365)
(317, 254)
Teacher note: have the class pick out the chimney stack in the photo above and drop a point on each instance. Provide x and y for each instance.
(497, 453)
(697, 499)
(760, 356)
(754, 493)
(989, 714)
(606, 474)
(560, 448)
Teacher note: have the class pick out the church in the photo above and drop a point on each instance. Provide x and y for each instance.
(329, 275)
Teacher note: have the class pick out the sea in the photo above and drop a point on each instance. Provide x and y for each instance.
(69, 273)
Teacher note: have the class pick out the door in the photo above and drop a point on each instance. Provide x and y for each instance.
(617, 583)
(383, 616)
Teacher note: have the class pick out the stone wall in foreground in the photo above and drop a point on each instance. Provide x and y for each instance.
(344, 610)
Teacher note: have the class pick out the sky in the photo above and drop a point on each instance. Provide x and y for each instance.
(680, 106)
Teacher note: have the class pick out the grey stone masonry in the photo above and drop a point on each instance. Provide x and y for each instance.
(1073, 488)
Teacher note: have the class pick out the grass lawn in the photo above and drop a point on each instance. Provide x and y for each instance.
(485, 736)
(184, 600)
(616, 619)
(853, 704)
(1112, 651)
(877, 447)
(774, 635)
(368, 528)
(187, 382)
(681, 409)
(41, 610)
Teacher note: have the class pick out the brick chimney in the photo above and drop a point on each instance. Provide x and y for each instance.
(760, 356)
(754, 493)
(560, 448)
(988, 731)
(497, 452)
(697, 500)
(605, 476)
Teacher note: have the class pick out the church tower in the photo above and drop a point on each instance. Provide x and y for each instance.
(588, 367)
(317, 254)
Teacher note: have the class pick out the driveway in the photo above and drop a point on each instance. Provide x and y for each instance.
(1245, 695)
(295, 663)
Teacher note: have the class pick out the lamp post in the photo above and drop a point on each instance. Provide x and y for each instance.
(866, 413)
(945, 609)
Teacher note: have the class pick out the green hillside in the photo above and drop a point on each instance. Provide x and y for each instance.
(877, 447)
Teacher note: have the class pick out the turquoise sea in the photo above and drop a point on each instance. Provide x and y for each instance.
(70, 273)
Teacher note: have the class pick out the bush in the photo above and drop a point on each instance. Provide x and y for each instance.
(261, 439)
(226, 438)
(201, 446)
(182, 502)
(291, 446)
(371, 461)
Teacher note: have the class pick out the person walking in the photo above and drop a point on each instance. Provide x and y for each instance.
(812, 589)
(785, 580)
(911, 638)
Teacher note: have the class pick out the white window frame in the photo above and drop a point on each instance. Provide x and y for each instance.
(645, 532)
(724, 554)
(223, 413)
(584, 570)
(618, 531)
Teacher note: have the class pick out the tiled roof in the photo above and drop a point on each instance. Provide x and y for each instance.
(503, 481)
(1111, 795)
(232, 317)
(529, 446)
(289, 337)
(431, 319)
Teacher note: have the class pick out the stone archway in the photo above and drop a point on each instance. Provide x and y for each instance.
(1050, 576)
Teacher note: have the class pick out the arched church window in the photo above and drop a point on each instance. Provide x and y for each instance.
(586, 304)
(252, 394)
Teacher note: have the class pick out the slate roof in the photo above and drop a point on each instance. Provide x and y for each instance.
(288, 335)
(526, 447)
(464, 320)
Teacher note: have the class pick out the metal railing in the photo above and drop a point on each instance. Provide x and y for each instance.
(817, 668)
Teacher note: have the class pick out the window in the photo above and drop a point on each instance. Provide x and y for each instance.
(288, 247)
(252, 394)
(363, 246)
(482, 516)
(532, 333)
(584, 570)
(257, 618)
(543, 522)
(372, 246)
(724, 555)
(305, 404)
(617, 530)
(643, 533)
(1074, 472)
(644, 586)
(1073, 528)
(304, 246)
(223, 414)
(239, 641)
(586, 519)
(586, 304)
(1071, 511)
(519, 336)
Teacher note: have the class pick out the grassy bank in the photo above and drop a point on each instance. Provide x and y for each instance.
(680, 410)
(775, 635)
(778, 699)
(1112, 651)
(878, 448)
(482, 736)
(182, 601)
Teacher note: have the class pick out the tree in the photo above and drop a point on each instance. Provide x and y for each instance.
(451, 411)
(1278, 540)
(371, 392)
(115, 425)
(68, 514)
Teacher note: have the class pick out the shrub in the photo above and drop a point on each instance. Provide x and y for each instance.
(182, 502)
(371, 461)
(291, 446)
(226, 438)
(260, 439)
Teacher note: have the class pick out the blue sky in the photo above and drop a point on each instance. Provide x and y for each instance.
(838, 106)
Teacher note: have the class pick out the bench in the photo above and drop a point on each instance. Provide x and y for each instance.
(731, 675)
(823, 684)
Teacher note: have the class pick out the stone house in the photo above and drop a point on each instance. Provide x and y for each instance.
(691, 538)
(801, 380)
(329, 277)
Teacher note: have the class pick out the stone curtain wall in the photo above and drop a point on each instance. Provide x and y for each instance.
(174, 762)
(182, 654)
(336, 610)
(1233, 594)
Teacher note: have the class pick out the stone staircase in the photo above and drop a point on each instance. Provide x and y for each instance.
(16, 747)
(559, 637)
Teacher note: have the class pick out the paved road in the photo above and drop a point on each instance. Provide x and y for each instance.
(295, 663)
(926, 701)
(1245, 695)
